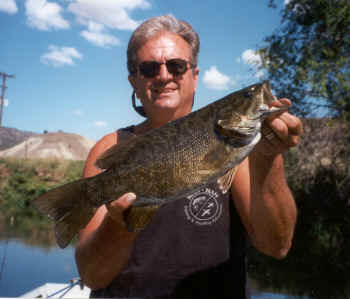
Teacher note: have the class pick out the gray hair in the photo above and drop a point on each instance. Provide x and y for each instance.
(154, 26)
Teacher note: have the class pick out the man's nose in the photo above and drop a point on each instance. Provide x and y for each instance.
(164, 74)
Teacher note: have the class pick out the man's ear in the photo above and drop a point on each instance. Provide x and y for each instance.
(196, 75)
(132, 81)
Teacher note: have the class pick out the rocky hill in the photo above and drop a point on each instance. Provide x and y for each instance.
(58, 145)
(10, 137)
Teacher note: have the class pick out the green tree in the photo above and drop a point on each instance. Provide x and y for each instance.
(308, 58)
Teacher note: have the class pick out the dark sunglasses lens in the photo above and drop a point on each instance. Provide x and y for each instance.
(176, 66)
(149, 69)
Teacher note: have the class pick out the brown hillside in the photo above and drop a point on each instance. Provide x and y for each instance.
(51, 145)
(10, 137)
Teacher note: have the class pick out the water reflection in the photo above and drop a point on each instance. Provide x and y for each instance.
(29, 260)
(303, 276)
(26, 266)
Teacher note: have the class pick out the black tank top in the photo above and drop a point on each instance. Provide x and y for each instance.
(194, 247)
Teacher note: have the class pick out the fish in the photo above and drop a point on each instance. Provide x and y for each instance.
(166, 163)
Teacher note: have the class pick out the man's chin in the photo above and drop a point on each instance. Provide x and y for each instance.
(166, 102)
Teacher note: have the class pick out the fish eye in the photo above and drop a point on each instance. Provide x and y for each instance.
(248, 93)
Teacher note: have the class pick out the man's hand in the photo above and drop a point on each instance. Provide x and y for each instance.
(279, 132)
(105, 241)
(116, 208)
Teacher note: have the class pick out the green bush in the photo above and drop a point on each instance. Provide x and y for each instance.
(21, 182)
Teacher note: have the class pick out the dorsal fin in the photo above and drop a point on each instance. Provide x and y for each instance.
(118, 151)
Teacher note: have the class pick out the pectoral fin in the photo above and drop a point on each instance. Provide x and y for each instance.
(226, 180)
(137, 218)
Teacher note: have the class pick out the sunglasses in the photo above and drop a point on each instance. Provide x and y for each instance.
(176, 67)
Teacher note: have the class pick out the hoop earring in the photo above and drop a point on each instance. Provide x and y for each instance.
(139, 109)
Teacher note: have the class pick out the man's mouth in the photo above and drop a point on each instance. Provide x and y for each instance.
(163, 90)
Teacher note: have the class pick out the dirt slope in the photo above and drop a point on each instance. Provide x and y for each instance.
(51, 145)
(10, 137)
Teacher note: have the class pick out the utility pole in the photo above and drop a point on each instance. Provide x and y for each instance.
(3, 88)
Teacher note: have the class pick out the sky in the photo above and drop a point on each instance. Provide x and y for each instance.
(69, 57)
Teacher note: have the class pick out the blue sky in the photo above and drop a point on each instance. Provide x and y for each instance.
(69, 57)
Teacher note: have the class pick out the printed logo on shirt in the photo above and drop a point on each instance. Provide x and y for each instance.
(203, 208)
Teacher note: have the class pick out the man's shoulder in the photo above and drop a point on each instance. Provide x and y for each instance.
(112, 139)
(107, 140)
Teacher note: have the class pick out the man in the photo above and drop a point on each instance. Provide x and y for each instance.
(183, 254)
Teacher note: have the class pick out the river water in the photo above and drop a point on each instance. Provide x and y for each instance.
(24, 267)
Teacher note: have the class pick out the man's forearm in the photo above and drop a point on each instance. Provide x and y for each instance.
(273, 210)
(103, 254)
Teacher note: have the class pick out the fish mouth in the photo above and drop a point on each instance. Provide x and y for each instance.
(268, 97)
(273, 111)
(267, 93)
(265, 111)
(243, 133)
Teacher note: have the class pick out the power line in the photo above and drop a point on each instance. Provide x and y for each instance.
(3, 88)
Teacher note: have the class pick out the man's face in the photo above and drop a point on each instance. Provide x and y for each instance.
(165, 94)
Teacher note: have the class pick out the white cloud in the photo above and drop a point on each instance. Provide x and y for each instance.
(96, 35)
(100, 123)
(44, 15)
(213, 79)
(112, 13)
(250, 57)
(60, 56)
(8, 6)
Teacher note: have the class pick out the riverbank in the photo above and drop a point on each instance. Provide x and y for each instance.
(318, 173)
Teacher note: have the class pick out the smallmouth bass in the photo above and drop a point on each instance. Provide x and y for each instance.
(165, 163)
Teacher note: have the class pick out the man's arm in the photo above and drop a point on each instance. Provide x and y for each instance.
(104, 245)
(260, 191)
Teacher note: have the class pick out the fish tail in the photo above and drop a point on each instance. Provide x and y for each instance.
(68, 208)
